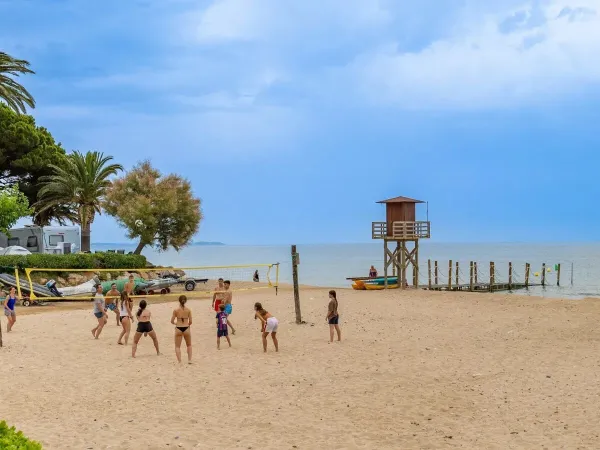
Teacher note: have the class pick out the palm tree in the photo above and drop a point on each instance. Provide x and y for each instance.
(79, 187)
(11, 92)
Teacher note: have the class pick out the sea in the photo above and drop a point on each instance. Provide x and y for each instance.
(329, 265)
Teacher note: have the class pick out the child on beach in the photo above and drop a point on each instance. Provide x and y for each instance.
(112, 299)
(227, 298)
(269, 325)
(218, 295)
(9, 308)
(333, 316)
(222, 324)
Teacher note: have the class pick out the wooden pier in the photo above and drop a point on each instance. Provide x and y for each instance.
(453, 279)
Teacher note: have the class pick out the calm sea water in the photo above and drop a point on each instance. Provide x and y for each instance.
(330, 265)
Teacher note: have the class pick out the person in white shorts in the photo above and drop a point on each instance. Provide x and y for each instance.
(269, 325)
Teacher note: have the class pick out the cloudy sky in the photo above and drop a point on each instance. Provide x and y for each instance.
(292, 118)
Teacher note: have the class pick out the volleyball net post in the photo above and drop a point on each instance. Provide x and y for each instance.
(56, 284)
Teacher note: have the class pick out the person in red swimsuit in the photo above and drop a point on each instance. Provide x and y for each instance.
(218, 295)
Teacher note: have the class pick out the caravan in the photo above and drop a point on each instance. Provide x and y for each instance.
(50, 239)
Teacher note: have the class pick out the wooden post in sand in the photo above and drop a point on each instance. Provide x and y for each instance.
(436, 273)
(0, 334)
(558, 275)
(450, 275)
(429, 273)
(475, 270)
(544, 274)
(510, 276)
(527, 270)
(296, 288)
(492, 276)
(471, 276)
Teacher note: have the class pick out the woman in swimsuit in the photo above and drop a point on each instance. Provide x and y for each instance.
(9, 308)
(126, 316)
(144, 327)
(182, 319)
(269, 325)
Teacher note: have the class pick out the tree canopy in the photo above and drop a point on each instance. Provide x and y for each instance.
(13, 206)
(160, 211)
(27, 153)
(11, 92)
(79, 185)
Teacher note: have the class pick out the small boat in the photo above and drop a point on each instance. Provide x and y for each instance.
(379, 287)
(38, 289)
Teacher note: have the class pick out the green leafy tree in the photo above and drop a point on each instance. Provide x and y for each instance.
(79, 186)
(11, 92)
(160, 211)
(27, 153)
(13, 206)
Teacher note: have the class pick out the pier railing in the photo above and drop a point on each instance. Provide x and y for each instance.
(401, 230)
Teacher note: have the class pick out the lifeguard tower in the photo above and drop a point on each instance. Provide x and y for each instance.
(401, 228)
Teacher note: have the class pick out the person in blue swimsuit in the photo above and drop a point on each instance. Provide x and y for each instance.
(9, 308)
(228, 297)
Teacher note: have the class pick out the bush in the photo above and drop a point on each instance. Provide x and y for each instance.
(73, 261)
(11, 439)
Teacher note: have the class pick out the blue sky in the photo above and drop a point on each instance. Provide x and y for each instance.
(292, 118)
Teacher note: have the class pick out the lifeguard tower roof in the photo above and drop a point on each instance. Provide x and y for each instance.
(401, 200)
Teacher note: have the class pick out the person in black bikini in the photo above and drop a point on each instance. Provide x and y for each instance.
(144, 327)
(182, 319)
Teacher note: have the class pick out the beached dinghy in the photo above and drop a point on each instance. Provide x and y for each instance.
(379, 287)
(38, 289)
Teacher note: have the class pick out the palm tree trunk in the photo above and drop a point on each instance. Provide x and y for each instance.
(86, 238)
(139, 248)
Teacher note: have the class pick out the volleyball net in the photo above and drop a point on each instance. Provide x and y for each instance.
(52, 284)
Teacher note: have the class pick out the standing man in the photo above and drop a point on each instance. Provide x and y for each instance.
(227, 298)
(218, 295)
(112, 298)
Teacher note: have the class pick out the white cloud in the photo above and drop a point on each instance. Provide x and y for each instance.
(498, 60)
(262, 20)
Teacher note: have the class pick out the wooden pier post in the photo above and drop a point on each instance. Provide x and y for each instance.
(510, 276)
(527, 270)
(544, 274)
(571, 273)
(450, 275)
(558, 275)
(436, 273)
(429, 273)
(492, 276)
(471, 276)
(475, 270)
(295, 281)
(457, 278)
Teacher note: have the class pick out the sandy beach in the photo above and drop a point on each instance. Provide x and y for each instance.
(420, 370)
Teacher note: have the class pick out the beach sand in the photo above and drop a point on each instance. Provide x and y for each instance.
(420, 370)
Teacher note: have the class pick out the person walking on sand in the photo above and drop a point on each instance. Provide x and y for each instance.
(269, 325)
(99, 311)
(112, 300)
(333, 316)
(9, 307)
(182, 319)
(218, 295)
(227, 299)
(256, 278)
(144, 327)
(222, 323)
(126, 316)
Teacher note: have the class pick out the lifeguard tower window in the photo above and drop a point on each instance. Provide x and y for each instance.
(54, 239)
(13, 241)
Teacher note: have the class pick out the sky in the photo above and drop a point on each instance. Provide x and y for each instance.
(293, 118)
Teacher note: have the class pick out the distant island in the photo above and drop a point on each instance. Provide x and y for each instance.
(133, 244)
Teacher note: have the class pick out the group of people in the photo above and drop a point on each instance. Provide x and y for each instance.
(122, 304)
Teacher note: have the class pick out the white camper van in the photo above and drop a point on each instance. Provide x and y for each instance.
(50, 239)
